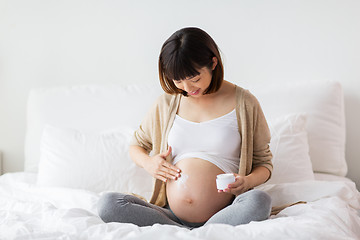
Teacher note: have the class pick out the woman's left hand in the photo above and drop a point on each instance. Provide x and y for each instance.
(240, 185)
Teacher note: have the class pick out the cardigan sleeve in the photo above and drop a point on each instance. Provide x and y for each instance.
(149, 135)
(143, 136)
(261, 137)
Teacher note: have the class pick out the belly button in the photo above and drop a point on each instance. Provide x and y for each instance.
(189, 201)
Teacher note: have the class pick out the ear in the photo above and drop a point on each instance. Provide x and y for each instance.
(215, 62)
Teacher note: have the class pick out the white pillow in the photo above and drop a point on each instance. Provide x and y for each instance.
(323, 102)
(290, 148)
(92, 161)
(85, 108)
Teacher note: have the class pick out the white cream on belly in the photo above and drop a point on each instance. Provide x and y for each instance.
(181, 181)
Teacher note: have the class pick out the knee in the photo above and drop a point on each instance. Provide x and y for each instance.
(261, 202)
(107, 204)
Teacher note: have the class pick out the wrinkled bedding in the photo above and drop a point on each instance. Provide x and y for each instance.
(31, 212)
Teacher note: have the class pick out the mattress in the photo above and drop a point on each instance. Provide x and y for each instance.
(28, 211)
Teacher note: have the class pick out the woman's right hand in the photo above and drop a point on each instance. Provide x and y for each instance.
(159, 168)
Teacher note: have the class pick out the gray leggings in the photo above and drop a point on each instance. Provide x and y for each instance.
(253, 205)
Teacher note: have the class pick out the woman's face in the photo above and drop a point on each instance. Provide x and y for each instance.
(195, 86)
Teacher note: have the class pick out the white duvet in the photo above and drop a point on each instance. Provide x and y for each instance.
(31, 212)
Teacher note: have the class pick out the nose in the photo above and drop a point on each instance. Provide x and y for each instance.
(187, 86)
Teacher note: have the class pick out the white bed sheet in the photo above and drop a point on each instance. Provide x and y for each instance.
(31, 212)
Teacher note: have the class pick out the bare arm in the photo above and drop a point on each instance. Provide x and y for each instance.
(156, 165)
(138, 155)
(258, 176)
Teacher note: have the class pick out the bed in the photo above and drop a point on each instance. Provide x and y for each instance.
(76, 150)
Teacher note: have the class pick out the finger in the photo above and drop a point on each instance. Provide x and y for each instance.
(233, 189)
(238, 190)
(238, 182)
(172, 167)
(234, 185)
(238, 178)
(228, 190)
(163, 177)
(168, 174)
(160, 177)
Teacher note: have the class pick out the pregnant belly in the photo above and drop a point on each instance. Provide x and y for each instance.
(194, 196)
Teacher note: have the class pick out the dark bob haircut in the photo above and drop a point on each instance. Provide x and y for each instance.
(183, 54)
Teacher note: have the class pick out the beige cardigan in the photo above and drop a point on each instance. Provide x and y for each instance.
(152, 134)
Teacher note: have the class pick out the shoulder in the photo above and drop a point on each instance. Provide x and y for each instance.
(164, 104)
(165, 100)
(158, 112)
(244, 96)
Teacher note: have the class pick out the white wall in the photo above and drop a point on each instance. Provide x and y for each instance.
(48, 42)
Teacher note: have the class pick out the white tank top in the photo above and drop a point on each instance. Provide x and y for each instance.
(217, 141)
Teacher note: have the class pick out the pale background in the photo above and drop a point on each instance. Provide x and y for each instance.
(53, 42)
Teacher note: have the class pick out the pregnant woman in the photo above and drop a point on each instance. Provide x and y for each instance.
(201, 127)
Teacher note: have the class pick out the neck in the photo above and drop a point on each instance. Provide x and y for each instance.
(207, 99)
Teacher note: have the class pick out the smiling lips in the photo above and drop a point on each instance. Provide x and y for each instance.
(194, 93)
